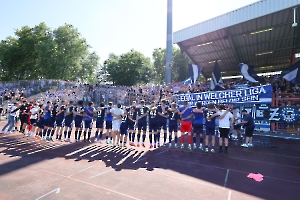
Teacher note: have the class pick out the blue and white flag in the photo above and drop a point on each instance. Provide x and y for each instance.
(216, 78)
(248, 73)
(194, 72)
(292, 73)
(188, 81)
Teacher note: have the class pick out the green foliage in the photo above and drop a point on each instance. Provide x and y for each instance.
(129, 69)
(39, 52)
(179, 65)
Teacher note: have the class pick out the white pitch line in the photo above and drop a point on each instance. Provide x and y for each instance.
(102, 173)
(162, 152)
(226, 178)
(229, 195)
(57, 190)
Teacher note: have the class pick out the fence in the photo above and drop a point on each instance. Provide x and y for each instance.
(286, 106)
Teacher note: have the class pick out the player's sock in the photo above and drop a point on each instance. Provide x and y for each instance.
(138, 137)
(194, 139)
(190, 139)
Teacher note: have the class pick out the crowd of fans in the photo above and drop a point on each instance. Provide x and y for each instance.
(126, 94)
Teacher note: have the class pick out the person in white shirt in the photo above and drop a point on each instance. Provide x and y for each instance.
(33, 118)
(116, 123)
(11, 119)
(225, 122)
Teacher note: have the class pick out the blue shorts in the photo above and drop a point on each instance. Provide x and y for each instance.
(46, 122)
(40, 123)
(78, 124)
(152, 126)
(69, 123)
(162, 124)
(60, 122)
(88, 124)
(173, 127)
(210, 131)
(99, 124)
(52, 123)
(131, 125)
(123, 128)
(142, 125)
(198, 128)
(108, 124)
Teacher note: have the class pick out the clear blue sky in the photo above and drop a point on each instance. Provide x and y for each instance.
(113, 25)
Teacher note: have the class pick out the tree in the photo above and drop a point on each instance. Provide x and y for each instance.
(178, 66)
(130, 68)
(40, 52)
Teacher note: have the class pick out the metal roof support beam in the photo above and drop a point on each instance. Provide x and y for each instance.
(232, 45)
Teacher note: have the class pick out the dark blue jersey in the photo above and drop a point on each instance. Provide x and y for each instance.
(132, 113)
(100, 115)
(61, 115)
(69, 113)
(79, 113)
(153, 116)
(173, 116)
(160, 109)
(210, 122)
(141, 113)
(54, 111)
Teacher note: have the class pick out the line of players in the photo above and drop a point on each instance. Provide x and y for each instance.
(121, 123)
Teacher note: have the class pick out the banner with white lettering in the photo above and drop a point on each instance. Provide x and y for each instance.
(251, 95)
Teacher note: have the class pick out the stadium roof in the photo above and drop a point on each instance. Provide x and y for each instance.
(260, 34)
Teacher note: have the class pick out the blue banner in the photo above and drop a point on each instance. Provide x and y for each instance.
(251, 95)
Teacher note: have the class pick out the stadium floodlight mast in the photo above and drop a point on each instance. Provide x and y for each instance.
(169, 42)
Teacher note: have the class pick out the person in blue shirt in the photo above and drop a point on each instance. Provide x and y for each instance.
(60, 117)
(210, 124)
(88, 121)
(79, 113)
(108, 122)
(142, 114)
(162, 111)
(249, 125)
(153, 124)
(198, 125)
(69, 116)
(131, 123)
(99, 122)
(186, 113)
(47, 116)
(173, 123)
